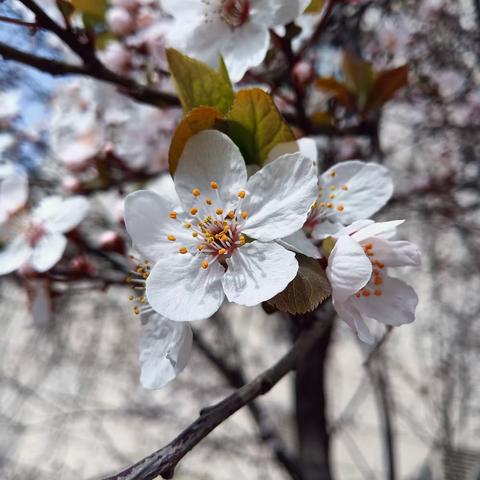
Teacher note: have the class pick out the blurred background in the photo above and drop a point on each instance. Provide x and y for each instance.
(71, 405)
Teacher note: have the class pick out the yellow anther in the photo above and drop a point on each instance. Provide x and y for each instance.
(377, 293)
(368, 246)
(344, 187)
(173, 215)
(340, 208)
(244, 215)
(171, 238)
(242, 240)
(214, 185)
(358, 294)
(322, 204)
(231, 215)
(222, 251)
(366, 292)
(204, 264)
(329, 205)
(194, 234)
(131, 298)
(193, 211)
(332, 187)
(219, 211)
(208, 201)
(378, 281)
(183, 250)
(333, 174)
(188, 225)
(331, 196)
(224, 238)
(136, 310)
(196, 192)
(200, 247)
(241, 194)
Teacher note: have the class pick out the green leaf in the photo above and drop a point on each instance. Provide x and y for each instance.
(255, 125)
(306, 291)
(201, 118)
(359, 77)
(386, 84)
(315, 6)
(91, 8)
(199, 85)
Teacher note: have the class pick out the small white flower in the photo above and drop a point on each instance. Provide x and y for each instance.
(13, 190)
(348, 191)
(237, 29)
(165, 349)
(200, 242)
(362, 290)
(39, 238)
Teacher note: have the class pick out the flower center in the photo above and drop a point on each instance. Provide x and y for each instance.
(374, 286)
(137, 281)
(218, 234)
(34, 233)
(235, 12)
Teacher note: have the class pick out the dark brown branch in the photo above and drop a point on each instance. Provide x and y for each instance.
(236, 378)
(164, 461)
(16, 21)
(99, 72)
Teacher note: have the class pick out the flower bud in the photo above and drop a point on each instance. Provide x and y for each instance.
(120, 21)
(303, 73)
(111, 241)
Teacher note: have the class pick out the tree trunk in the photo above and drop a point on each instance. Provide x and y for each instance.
(311, 404)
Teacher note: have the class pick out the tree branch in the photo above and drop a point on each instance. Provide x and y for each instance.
(164, 461)
(99, 72)
(268, 434)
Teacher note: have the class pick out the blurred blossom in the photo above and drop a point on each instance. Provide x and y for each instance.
(120, 21)
(116, 57)
(10, 104)
(37, 237)
(450, 82)
(237, 29)
(13, 190)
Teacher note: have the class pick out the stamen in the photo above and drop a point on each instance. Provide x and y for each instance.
(231, 215)
(241, 194)
(344, 187)
(332, 187)
(188, 225)
(213, 185)
(208, 201)
(377, 293)
(333, 174)
(222, 251)
(193, 211)
(219, 211)
(200, 247)
(194, 234)
(183, 250)
(366, 292)
(378, 280)
(205, 264)
(368, 246)
(244, 215)
(242, 240)
(196, 192)
(329, 205)
(340, 208)
(331, 196)
(173, 215)
(171, 238)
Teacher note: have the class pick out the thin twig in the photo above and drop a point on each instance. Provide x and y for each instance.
(164, 461)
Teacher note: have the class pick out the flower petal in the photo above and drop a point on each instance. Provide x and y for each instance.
(306, 146)
(350, 315)
(165, 349)
(48, 251)
(396, 306)
(395, 253)
(14, 255)
(376, 229)
(349, 269)
(13, 194)
(210, 156)
(361, 188)
(60, 216)
(148, 222)
(326, 228)
(181, 290)
(257, 272)
(279, 197)
(298, 242)
(272, 13)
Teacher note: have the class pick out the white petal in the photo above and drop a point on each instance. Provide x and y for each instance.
(326, 228)
(396, 306)
(257, 272)
(210, 156)
(13, 194)
(279, 197)
(245, 48)
(349, 269)
(377, 229)
(306, 146)
(181, 290)
(272, 13)
(354, 227)
(165, 349)
(350, 315)
(148, 223)
(58, 215)
(183, 9)
(165, 187)
(367, 187)
(298, 242)
(395, 253)
(14, 255)
(48, 251)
